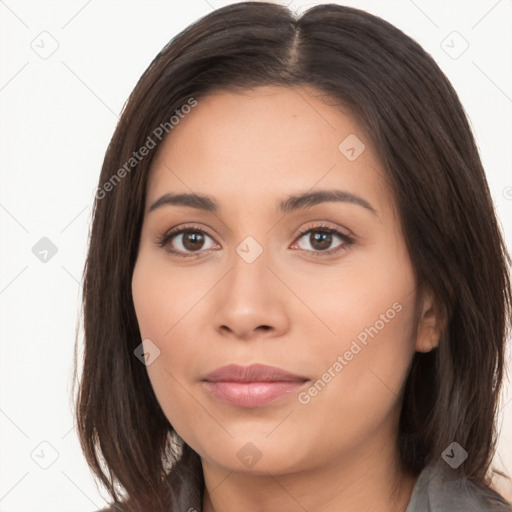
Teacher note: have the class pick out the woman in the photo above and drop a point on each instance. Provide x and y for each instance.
(296, 293)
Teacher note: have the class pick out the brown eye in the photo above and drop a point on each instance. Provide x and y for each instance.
(192, 240)
(319, 239)
(186, 241)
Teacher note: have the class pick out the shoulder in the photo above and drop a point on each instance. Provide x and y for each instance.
(437, 490)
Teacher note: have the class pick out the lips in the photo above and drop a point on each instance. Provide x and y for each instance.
(252, 373)
(256, 385)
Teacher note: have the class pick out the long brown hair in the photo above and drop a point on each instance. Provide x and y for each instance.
(420, 131)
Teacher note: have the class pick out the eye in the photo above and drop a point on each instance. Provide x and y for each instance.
(185, 241)
(189, 241)
(321, 238)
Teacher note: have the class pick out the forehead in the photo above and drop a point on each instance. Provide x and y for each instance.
(263, 142)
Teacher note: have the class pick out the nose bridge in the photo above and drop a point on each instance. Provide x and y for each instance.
(249, 264)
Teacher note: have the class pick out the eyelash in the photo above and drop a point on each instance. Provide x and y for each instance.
(347, 240)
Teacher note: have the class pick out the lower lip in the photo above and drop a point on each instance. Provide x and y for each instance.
(252, 394)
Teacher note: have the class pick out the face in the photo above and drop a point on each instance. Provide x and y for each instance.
(322, 288)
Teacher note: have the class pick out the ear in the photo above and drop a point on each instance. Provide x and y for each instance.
(430, 323)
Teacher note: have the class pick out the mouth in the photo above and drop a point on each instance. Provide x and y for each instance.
(256, 385)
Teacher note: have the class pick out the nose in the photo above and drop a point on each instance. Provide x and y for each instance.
(252, 300)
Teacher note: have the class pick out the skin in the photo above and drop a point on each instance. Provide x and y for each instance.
(249, 151)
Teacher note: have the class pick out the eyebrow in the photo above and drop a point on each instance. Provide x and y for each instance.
(292, 203)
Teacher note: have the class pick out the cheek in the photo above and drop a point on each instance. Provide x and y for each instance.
(370, 307)
(163, 298)
(370, 297)
(166, 318)
(148, 309)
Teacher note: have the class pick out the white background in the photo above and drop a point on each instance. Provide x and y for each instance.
(57, 117)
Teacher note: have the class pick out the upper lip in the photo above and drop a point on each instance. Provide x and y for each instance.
(252, 373)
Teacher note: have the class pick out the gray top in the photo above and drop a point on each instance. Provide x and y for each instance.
(437, 491)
